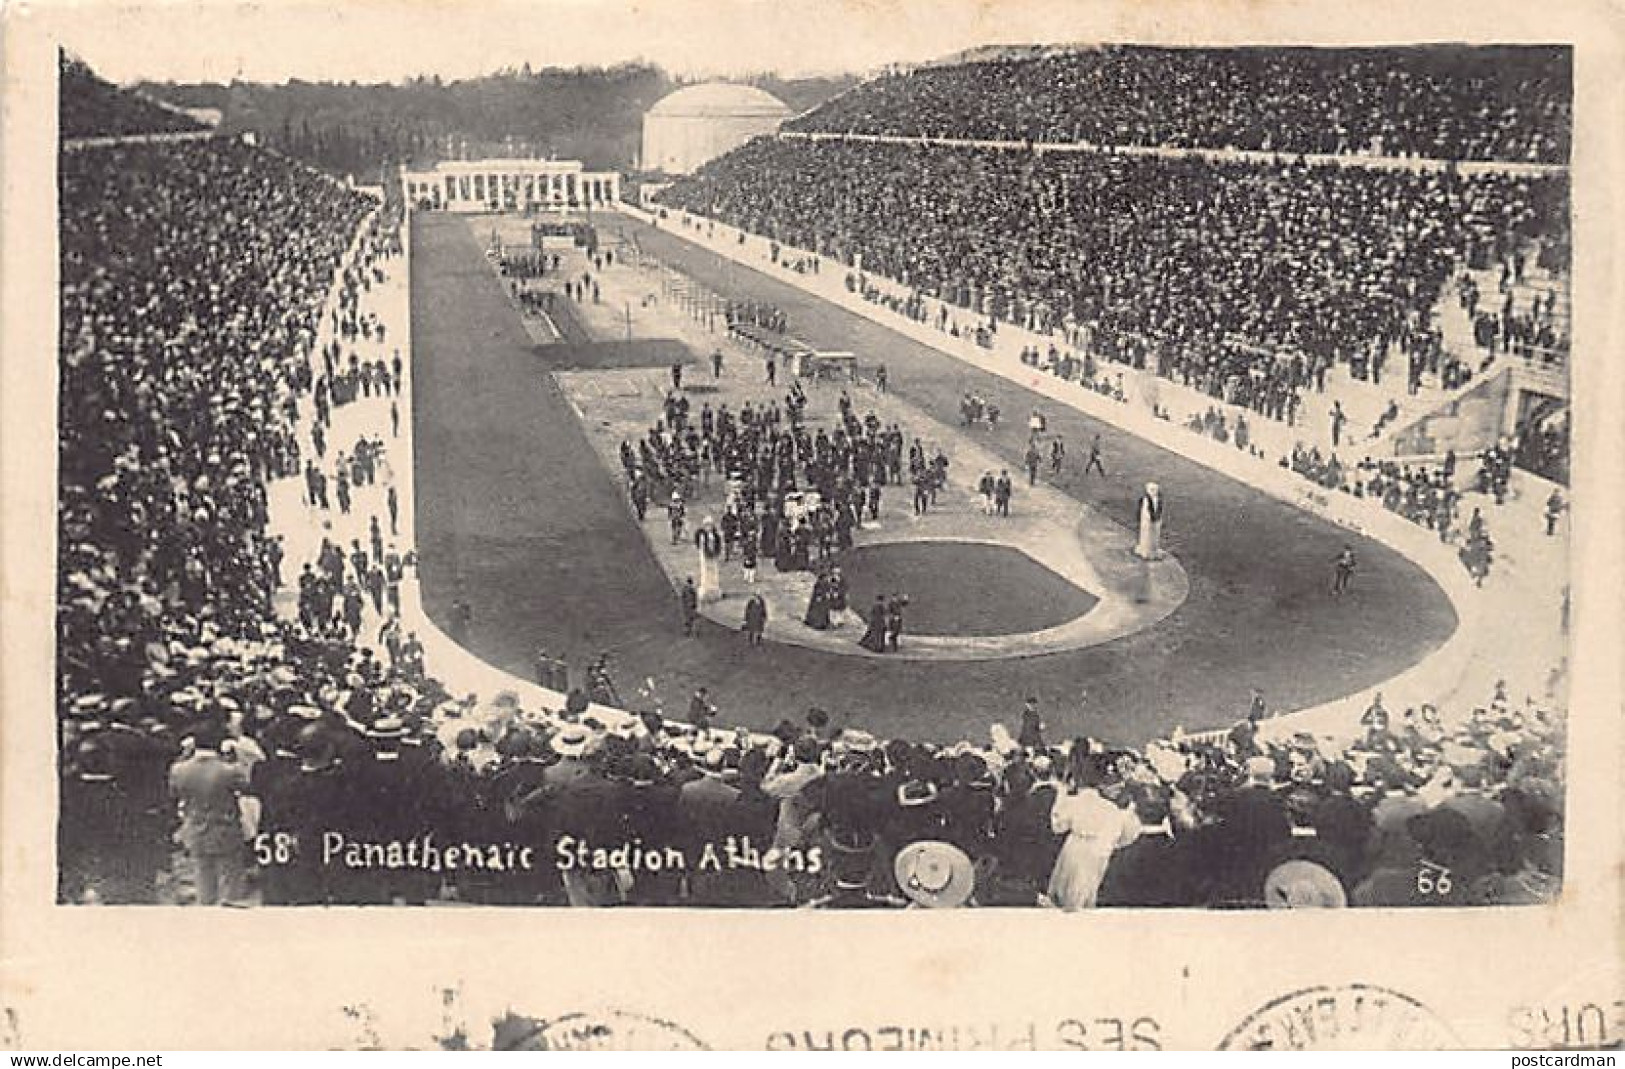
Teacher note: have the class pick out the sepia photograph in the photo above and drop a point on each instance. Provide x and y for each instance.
(664, 461)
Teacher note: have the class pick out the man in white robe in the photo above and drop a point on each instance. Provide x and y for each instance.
(1149, 546)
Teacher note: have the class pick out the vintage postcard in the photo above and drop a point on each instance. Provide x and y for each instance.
(813, 525)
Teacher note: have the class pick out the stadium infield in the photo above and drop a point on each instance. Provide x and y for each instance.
(997, 590)
(517, 515)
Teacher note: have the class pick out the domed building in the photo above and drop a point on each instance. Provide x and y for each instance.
(701, 122)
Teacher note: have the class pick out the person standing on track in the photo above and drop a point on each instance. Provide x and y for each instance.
(1057, 455)
(688, 599)
(1152, 508)
(1344, 566)
(1032, 459)
(1093, 463)
(716, 363)
(639, 492)
(755, 619)
(1031, 736)
(874, 639)
(894, 620)
(709, 544)
(675, 511)
(1554, 511)
(462, 615)
(1002, 489)
(922, 491)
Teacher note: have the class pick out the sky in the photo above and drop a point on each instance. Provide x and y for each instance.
(390, 40)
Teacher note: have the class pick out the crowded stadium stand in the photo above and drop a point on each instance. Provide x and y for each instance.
(1507, 103)
(92, 107)
(1246, 281)
(218, 323)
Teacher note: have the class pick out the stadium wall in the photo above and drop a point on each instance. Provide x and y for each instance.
(1350, 159)
(1466, 424)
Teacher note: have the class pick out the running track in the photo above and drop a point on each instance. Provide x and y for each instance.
(515, 510)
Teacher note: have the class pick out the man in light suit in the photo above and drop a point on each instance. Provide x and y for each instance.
(207, 787)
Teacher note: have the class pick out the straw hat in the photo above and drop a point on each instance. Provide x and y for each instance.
(934, 874)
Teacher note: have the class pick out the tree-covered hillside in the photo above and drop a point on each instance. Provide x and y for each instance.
(591, 114)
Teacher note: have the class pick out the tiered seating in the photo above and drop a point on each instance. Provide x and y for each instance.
(1508, 103)
(1242, 280)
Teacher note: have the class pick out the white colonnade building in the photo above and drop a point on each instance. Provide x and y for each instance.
(509, 185)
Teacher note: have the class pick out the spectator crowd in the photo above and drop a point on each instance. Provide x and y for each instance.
(1246, 281)
(1453, 103)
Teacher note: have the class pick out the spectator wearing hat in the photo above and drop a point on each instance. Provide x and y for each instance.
(387, 791)
(935, 875)
(586, 805)
(649, 817)
(854, 802)
(1253, 830)
(311, 804)
(207, 788)
(100, 853)
(708, 810)
(1302, 884)
(1342, 826)
(968, 807)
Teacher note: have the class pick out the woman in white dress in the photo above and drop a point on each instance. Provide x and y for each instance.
(1149, 546)
(1094, 828)
(709, 543)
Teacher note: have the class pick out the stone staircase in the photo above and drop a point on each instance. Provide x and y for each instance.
(1456, 327)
